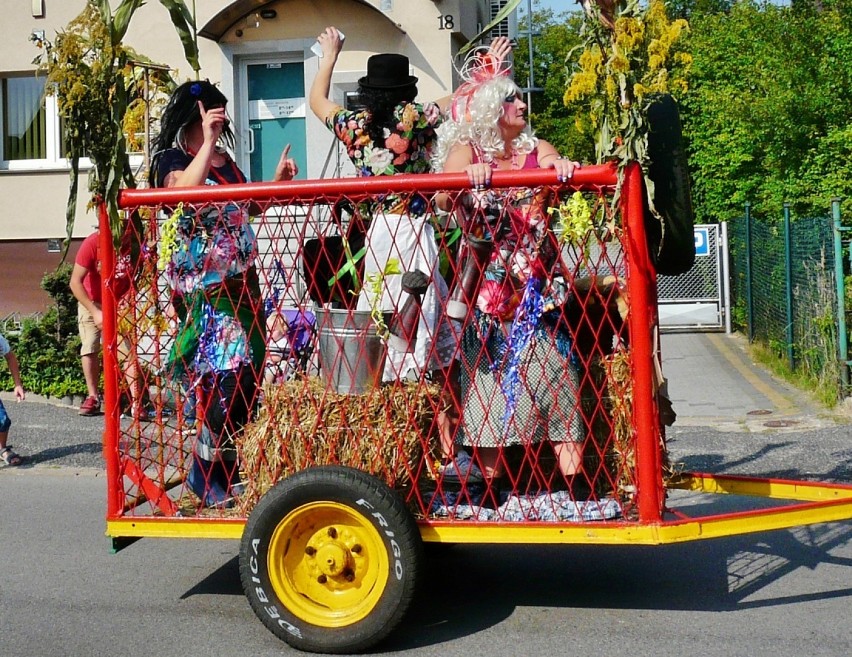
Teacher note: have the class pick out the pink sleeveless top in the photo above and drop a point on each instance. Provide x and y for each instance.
(531, 161)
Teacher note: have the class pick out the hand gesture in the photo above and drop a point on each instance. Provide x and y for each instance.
(212, 122)
(20, 395)
(287, 168)
(500, 49)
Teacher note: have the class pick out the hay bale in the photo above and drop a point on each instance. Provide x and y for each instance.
(302, 423)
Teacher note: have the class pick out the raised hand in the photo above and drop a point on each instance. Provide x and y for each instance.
(500, 48)
(287, 168)
(331, 42)
(212, 122)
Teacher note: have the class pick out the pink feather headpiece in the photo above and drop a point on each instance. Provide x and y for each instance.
(477, 70)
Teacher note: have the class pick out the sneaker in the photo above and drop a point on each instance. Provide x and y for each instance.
(90, 406)
(462, 468)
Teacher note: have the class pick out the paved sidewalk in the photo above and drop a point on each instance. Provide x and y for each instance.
(714, 383)
(49, 434)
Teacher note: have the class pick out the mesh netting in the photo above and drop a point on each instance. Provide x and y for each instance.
(477, 359)
(808, 329)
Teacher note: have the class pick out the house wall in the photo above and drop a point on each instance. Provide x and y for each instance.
(35, 200)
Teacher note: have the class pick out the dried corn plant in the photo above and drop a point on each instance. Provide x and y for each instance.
(619, 386)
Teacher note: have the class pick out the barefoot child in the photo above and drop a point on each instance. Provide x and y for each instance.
(6, 453)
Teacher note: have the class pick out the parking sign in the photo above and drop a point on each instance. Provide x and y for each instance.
(702, 242)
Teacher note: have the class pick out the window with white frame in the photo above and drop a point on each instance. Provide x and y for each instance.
(25, 119)
(32, 129)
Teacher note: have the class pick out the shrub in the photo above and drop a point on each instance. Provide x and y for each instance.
(48, 348)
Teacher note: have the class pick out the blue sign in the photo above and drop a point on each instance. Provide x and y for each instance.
(701, 235)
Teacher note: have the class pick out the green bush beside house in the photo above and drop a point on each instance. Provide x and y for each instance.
(48, 347)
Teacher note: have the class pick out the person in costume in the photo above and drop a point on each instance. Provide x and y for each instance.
(518, 384)
(395, 134)
(209, 260)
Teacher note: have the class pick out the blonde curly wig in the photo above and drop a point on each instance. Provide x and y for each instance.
(475, 112)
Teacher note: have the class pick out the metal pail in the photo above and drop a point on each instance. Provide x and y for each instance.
(351, 354)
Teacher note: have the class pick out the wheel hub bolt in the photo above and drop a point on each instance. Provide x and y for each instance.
(332, 532)
(310, 551)
(349, 575)
(322, 579)
(356, 548)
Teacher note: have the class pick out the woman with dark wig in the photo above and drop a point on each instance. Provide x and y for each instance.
(209, 260)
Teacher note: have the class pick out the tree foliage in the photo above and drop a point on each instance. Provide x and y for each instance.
(556, 37)
(768, 113)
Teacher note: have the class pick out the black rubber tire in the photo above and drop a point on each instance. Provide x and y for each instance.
(672, 243)
(382, 515)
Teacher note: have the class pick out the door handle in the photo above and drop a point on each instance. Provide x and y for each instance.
(250, 140)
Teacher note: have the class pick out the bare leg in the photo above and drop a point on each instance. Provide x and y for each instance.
(489, 458)
(569, 456)
(448, 417)
(91, 372)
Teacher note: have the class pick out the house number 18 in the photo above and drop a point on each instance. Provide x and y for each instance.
(446, 22)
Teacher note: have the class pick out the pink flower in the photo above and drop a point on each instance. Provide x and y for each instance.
(397, 144)
(498, 299)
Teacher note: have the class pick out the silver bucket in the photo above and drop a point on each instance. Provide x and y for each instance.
(351, 354)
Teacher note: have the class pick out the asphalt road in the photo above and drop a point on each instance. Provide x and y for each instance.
(63, 593)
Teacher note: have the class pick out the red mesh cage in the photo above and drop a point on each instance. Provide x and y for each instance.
(492, 363)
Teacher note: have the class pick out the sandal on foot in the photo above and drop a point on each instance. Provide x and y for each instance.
(10, 457)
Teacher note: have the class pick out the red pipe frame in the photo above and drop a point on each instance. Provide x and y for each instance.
(640, 282)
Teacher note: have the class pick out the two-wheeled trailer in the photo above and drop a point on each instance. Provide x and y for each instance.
(339, 488)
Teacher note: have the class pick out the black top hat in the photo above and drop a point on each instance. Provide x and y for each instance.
(387, 71)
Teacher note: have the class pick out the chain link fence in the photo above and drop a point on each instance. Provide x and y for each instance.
(785, 294)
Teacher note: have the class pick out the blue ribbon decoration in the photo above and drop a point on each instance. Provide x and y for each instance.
(271, 303)
(524, 325)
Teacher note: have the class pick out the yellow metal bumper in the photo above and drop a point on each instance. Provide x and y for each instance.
(810, 503)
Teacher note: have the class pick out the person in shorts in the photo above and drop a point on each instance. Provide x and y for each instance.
(85, 284)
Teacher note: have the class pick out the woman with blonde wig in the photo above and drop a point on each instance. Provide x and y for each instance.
(518, 384)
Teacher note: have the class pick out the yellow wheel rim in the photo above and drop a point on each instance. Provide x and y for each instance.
(328, 564)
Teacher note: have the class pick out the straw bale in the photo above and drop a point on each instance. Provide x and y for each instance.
(302, 423)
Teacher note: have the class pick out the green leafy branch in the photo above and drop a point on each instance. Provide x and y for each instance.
(632, 54)
(374, 284)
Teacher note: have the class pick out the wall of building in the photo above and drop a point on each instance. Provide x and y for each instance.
(429, 32)
(25, 262)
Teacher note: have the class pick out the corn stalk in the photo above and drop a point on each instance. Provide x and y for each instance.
(92, 74)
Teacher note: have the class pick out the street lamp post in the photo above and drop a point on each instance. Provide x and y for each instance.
(530, 88)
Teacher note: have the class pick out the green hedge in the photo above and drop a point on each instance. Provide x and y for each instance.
(48, 348)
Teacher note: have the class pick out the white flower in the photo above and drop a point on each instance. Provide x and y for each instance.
(378, 159)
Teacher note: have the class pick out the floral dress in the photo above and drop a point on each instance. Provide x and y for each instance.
(406, 149)
(400, 228)
(518, 383)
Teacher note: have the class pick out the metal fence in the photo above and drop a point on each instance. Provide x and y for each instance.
(787, 286)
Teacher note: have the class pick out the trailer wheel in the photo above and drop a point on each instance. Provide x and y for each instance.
(329, 560)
